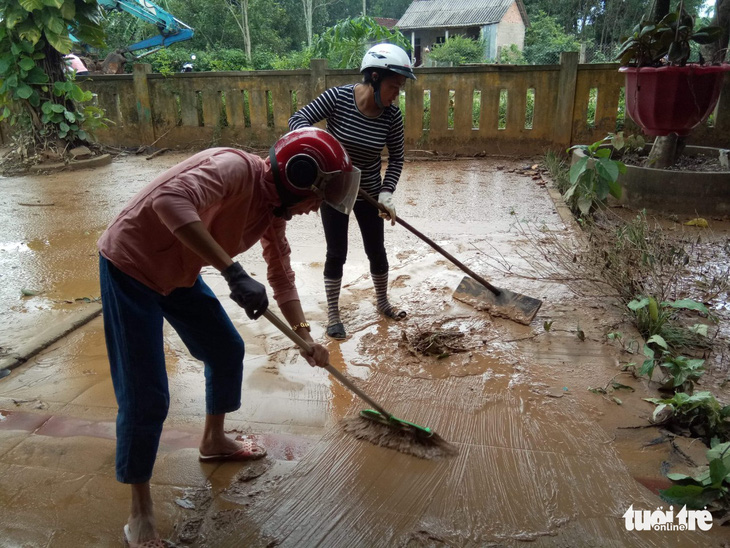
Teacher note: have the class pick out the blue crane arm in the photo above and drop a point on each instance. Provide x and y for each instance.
(171, 29)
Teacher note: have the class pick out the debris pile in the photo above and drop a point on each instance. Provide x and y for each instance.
(439, 343)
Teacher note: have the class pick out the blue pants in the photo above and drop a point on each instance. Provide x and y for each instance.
(133, 315)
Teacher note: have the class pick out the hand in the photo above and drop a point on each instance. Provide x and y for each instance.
(385, 199)
(245, 291)
(319, 357)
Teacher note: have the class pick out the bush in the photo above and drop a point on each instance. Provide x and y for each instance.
(511, 56)
(171, 60)
(294, 60)
(458, 50)
(545, 39)
(344, 44)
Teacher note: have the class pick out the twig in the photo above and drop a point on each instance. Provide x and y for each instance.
(161, 136)
(36, 205)
(157, 153)
(685, 456)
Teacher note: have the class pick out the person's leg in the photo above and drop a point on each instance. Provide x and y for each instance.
(203, 325)
(373, 238)
(133, 332)
(335, 233)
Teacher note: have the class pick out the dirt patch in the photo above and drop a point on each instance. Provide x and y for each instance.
(686, 162)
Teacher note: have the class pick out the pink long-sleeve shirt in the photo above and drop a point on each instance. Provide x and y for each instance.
(231, 192)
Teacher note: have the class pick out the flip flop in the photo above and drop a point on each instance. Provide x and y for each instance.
(249, 451)
(394, 314)
(152, 543)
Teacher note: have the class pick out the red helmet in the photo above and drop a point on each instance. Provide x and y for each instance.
(310, 161)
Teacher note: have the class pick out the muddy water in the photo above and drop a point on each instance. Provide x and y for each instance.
(48, 230)
(541, 458)
(534, 464)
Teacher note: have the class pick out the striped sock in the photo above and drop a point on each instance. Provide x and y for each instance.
(380, 281)
(332, 290)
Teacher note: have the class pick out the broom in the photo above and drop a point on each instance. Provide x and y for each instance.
(377, 425)
(497, 301)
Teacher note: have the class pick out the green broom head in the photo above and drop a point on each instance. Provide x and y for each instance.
(394, 422)
(406, 437)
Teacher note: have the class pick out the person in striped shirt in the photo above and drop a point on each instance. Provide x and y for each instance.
(364, 118)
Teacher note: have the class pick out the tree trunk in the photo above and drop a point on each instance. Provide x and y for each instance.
(308, 6)
(660, 10)
(665, 151)
(246, 30)
(243, 26)
(717, 51)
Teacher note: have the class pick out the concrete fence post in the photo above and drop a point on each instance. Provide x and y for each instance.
(144, 105)
(563, 121)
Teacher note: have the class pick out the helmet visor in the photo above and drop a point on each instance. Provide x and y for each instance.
(339, 189)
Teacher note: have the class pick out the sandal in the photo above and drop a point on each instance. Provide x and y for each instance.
(336, 331)
(249, 450)
(152, 543)
(394, 313)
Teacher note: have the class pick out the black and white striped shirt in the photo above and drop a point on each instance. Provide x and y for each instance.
(362, 136)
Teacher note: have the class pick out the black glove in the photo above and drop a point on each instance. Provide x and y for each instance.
(245, 291)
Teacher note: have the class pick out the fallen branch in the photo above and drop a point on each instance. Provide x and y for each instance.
(161, 136)
(157, 153)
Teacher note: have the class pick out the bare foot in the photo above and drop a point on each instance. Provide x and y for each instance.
(219, 446)
(140, 529)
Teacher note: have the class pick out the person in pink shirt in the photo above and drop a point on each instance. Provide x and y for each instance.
(204, 211)
(74, 63)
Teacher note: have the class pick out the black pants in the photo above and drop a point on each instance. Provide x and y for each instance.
(335, 232)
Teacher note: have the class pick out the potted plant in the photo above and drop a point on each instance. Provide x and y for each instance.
(665, 93)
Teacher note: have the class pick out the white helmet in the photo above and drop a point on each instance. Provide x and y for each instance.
(389, 57)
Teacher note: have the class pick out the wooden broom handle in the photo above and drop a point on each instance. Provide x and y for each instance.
(365, 196)
(304, 345)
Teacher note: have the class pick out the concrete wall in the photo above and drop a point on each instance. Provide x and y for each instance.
(511, 29)
(251, 109)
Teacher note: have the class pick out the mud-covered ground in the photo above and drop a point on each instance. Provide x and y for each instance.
(542, 457)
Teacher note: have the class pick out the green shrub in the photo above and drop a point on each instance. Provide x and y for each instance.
(679, 373)
(654, 318)
(593, 177)
(344, 44)
(458, 50)
(699, 414)
(293, 60)
(709, 489)
(512, 56)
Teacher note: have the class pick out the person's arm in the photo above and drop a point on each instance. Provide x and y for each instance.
(277, 254)
(294, 314)
(245, 291)
(395, 141)
(195, 236)
(316, 111)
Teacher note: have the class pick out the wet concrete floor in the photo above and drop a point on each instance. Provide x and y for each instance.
(541, 459)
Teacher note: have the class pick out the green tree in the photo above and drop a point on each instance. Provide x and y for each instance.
(458, 50)
(602, 22)
(35, 93)
(393, 9)
(274, 25)
(545, 39)
(344, 44)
